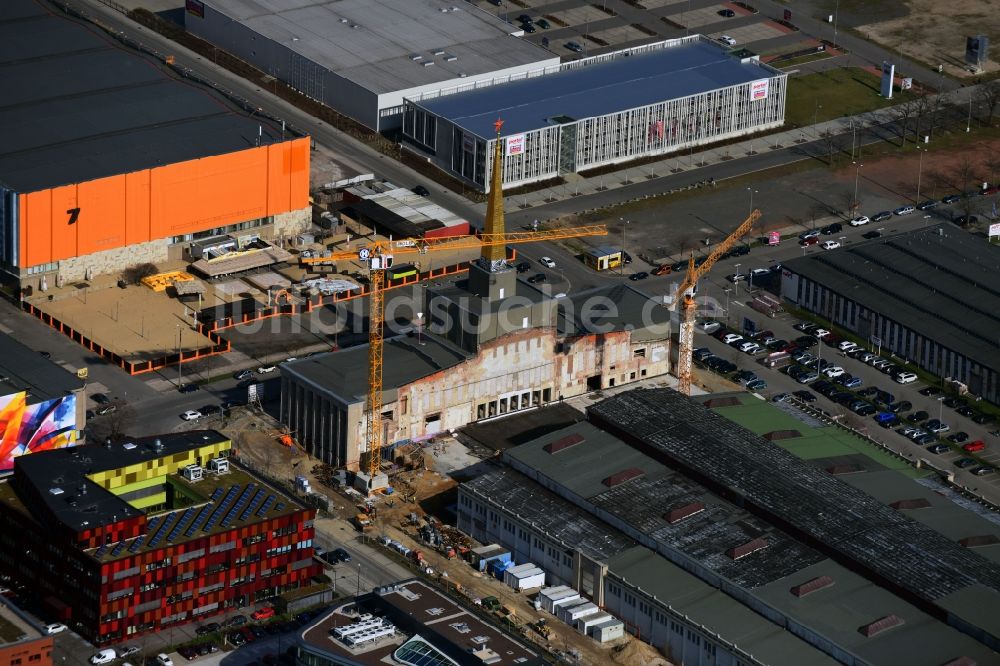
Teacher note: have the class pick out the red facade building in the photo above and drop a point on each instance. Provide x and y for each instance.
(143, 535)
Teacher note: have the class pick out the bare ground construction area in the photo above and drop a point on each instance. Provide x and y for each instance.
(934, 32)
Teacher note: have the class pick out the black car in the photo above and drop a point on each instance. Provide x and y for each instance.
(917, 417)
(805, 396)
(951, 198)
(966, 411)
(939, 448)
(45, 354)
(236, 621)
(421, 190)
(929, 390)
(806, 341)
(236, 638)
(728, 13)
(965, 220)
(927, 205)
(188, 388)
(962, 463)
(641, 275)
(188, 652)
(953, 402)
(210, 409)
(626, 258)
(982, 419)
(739, 251)
(528, 27)
(958, 437)
(524, 18)
(901, 406)
(536, 278)
(523, 267)
(100, 399)
(881, 216)
(831, 229)
(341, 555)
(872, 235)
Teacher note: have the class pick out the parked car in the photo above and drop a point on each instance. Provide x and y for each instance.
(962, 463)
(756, 385)
(982, 419)
(927, 205)
(904, 210)
(543, 24)
(547, 262)
(730, 338)
(951, 198)
(266, 369)
(736, 277)
(536, 278)
(421, 190)
(805, 396)
(641, 275)
(812, 233)
(906, 378)
(664, 269)
(860, 221)
(708, 325)
(243, 374)
(236, 639)
(977, 445)
(918, 417)
(833, 371)
(191, 415)
(726, 13)
(574, 47)
(939, 448)
(127, 651)
(901, 406)
(958, 437)
(966, 411)
(965, 220)
(806, 242)
(935, 425)
(749, 347)
(54, 628)
(929, 390)
(236, 621)
(105, 656)
(982, 470)
(164, 660)
(831, 229)
(830, 245)
(188, 388)
(523, 267)
(265, 613)
(727, 40)
(870, 235)
(881, 216)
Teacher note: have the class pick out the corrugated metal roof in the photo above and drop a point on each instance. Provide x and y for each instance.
(686, 68)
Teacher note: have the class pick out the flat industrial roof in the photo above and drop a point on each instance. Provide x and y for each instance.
(78, 105)
(372, 42)
(619, 307)
(344, 373)
(939, 281)
(684, 67)
(834, 517)
(22, 369)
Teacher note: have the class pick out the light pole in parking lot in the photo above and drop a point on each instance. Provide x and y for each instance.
(621, 259)
(752, 192)
(727, 290)
(920, 170)
(736, 281)
(855, 205)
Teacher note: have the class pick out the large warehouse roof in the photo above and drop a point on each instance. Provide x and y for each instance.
(374, 42)
(939, 281)
(689, 67)
(78, 106)
(859, 531)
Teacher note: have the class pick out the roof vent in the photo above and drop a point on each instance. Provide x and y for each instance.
(680, 513)
(56, 491)
(438, 52)
(747, 548)
(811, 586)
(563, 443)
(128, 446)
(448, 57)
(621, 477)
(158, 446)
(343, 20)
(355, 26)
(415, 57)
(878, 626)
(429, 63)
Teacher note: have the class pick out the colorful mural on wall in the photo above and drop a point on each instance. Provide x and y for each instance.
(26, 428)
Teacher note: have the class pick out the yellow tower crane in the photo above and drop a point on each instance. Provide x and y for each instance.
(378, 256)
(685, 297)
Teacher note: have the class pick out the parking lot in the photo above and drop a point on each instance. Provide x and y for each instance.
(874, 392)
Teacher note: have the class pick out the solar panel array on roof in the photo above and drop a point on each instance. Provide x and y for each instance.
(118, 549)
(188, 513)
(162, 531)
(201, 518)
(221, 507)
(838, 518)
(238, 505)
(257, 499)
(266, 506)
(137, 544)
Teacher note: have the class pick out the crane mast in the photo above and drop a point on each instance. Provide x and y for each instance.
(685, 296)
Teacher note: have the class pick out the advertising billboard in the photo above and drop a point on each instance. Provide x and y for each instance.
(773, 237)
(28, 428)
(888, 71)
(975, 50)
(515, 145)
(758, 89)
(994, 230)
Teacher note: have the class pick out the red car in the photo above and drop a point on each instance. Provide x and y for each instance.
(977, 445)
(805, 242)
(263, 613)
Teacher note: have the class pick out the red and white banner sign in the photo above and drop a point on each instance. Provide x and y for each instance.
(758, 89)
(515, 145)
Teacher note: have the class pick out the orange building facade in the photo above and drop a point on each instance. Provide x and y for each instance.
(166, 202)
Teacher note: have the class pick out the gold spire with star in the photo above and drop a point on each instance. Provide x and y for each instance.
(494, 222)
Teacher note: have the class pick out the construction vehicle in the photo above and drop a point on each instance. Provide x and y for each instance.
(378, 256)
(544, 630)
(491, 604)
(685, 300)
(362, 522)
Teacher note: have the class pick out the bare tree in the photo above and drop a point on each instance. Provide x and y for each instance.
(964, 178)
(989, 96)
(904, 112)
(110, 426)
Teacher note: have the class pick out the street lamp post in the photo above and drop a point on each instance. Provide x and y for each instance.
(968, 124)
(621, 259)
(920, 170)
(358, 593)
(816, 109)
(752, 192)
(736, 283)
(179, 364)
(727, 290)
(855, 204)
(836, 12)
